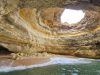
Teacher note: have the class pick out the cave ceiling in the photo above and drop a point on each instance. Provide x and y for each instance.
(30, 26)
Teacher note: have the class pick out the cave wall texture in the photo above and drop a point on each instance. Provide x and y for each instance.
(30, 26)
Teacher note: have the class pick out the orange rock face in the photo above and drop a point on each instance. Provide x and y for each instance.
(29, 30)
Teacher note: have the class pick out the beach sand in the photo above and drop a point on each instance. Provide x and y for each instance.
(25, 62)
(5, 60)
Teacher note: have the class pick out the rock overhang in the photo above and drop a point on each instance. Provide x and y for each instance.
(28, 26)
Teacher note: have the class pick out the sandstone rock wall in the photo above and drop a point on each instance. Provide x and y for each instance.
(30, 26)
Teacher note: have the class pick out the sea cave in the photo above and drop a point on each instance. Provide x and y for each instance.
(33, 31)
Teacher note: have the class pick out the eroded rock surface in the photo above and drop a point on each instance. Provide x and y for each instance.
(27, 28)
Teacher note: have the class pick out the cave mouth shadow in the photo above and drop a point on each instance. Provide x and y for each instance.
(97, 45)
(4, 51)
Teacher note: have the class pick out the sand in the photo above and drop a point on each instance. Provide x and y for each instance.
(7, 64)
(5, 60)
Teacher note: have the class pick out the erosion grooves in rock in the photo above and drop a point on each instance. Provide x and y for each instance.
(29, 28)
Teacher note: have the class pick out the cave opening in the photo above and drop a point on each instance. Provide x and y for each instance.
(4, 51)
(72, 16)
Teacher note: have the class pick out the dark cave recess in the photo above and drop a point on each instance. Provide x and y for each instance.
(4, 51)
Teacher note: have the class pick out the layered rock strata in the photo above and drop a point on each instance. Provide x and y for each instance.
(27, 28)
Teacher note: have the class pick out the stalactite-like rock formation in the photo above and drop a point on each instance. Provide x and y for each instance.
(28, 26)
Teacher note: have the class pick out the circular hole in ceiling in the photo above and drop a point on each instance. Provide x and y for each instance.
(72, 16)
